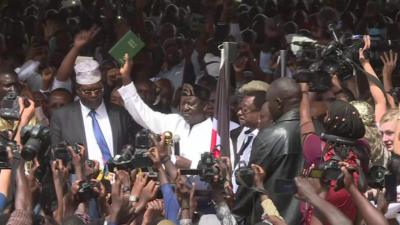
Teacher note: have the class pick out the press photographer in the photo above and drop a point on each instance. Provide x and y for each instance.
(341, 143)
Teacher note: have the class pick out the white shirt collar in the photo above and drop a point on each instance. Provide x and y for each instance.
(101, 111)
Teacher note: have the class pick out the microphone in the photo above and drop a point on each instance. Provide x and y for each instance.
(176, 140)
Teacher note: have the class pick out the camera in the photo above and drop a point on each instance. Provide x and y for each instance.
(244, 175)
(34, 138)
(376, 177)
(9, 109)
(130, 159)
(205, 168)
(60, 151)
(86, 192)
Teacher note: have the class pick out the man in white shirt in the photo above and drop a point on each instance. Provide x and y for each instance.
(102, 128)
(192, 124)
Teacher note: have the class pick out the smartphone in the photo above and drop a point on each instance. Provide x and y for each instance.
(285, 186)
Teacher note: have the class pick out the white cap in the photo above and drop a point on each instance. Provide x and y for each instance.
(87, 72)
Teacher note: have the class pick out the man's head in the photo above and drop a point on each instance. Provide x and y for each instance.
(284, 94)
(8, 83)
(265, 118)
(249, 108)
(173, 54)
(193, 103)
(58, 98)
(387, 127)
(89, 86)
(147, 91)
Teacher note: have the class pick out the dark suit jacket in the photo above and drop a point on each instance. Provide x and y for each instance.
(278, 150)
(66, 124)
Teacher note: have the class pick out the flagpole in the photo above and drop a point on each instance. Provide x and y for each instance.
(283, 62)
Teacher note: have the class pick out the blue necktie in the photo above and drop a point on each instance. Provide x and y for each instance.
(101, 141)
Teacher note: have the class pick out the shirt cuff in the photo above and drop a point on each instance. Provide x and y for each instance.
(127, 91)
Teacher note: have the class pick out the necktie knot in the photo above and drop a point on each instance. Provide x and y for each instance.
(246, 132)
(92, 113)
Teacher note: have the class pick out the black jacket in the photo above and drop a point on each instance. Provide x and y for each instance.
(278, 150)
(66, 124)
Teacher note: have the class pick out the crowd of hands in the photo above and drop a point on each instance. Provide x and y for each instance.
(117, 208)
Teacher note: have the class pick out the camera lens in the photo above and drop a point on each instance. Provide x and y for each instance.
(30, 149)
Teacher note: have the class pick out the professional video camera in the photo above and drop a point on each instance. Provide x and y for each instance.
(9, 108)
(206, 168)
(60, 151)
(35, 139)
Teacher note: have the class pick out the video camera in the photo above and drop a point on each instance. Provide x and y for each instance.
(36, 139)
(206, 168)
(133, 158)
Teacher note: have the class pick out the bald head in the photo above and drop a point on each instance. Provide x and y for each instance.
(284, 88)
(283, 95)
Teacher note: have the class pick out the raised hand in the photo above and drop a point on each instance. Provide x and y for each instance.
(361, 51)
(389, 60)
(126, 69)
(85, 36)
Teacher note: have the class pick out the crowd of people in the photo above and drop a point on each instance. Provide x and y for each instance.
(313, 105)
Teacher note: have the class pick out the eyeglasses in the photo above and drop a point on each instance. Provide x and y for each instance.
(247, 111)
(93, 91)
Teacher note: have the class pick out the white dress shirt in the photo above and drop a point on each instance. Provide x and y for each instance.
(245, 157)
(93, 149)
(193, 141)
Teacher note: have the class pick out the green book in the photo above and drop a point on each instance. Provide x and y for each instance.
(129, 43)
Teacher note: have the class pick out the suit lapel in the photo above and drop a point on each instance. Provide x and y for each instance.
(78, 125)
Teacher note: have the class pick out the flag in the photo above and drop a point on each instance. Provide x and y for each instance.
(220, 132)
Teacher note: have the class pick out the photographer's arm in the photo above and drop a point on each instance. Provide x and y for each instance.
(328, 212)
(306, 123)
(26, 115)
(22, 215)
(5, 180)
(170, 200)
(65, 70)
(59, 173)
(389, 61)
(369, 213)
(376, 92)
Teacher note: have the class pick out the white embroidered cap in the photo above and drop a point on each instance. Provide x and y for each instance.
(87, 72)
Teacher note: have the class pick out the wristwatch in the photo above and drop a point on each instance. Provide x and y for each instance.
(133, 198)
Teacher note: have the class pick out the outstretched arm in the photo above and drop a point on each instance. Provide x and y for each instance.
(376, 92)
(65, 70)
(142, 113)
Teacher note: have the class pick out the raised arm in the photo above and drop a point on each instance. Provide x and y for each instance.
(142, 113)
(376, 92)
(67, 65)
(389, 61)
(327, 211)
(369, 213)
(306, 124)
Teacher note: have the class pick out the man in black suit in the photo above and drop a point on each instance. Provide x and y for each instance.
(278, 150)
(102, 128)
